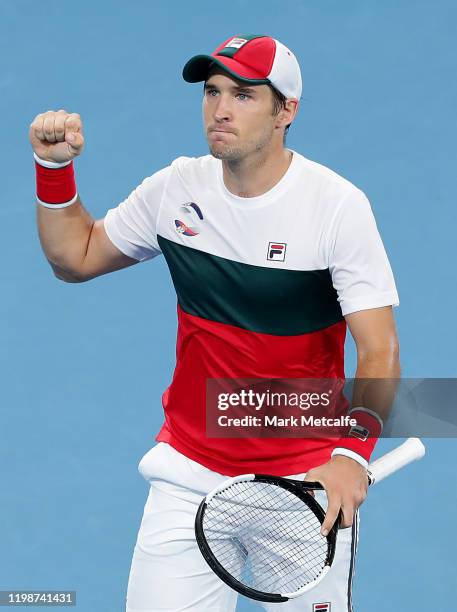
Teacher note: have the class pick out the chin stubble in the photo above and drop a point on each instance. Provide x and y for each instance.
(233, 154)
(237, 154)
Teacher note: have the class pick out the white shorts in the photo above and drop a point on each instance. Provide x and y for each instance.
(168, 571)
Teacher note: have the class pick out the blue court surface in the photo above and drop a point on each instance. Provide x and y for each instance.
(83, 366)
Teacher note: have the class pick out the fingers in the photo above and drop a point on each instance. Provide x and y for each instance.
(345, 482)
(333, 510)
(44, 124)
(36, 127)
(48, 128)
(75, 142)
(57, 135)
(55, 126)
(73, 123)
(343, 506)
(59, 125)
(334, 501)
(338, 508)
(340, 503)
(347, 515)
(73, 133)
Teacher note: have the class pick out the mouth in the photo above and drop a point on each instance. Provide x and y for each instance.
(220, 131)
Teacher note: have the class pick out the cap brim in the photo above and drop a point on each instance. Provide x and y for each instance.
(198, 67)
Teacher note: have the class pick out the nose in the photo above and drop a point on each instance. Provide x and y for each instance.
(223, 111)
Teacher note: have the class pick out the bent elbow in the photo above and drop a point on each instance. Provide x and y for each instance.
(68, 277)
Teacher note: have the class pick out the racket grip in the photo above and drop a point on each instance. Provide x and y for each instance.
(409, 451)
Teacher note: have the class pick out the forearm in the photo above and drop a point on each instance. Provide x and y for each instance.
(376, 379)
(379, 362)
(65, 235)
(374, 391)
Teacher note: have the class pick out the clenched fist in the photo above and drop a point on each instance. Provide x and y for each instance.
(57, 136)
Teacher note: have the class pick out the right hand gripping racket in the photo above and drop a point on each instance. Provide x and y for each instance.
(261, 534)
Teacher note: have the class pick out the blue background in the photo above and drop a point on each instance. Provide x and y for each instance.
(83, 366)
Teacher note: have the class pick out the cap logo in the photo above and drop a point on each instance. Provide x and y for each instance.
(236, 42)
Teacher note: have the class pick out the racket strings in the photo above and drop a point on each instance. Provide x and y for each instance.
(265, 536)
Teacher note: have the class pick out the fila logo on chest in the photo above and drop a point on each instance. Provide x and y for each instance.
(276, 251)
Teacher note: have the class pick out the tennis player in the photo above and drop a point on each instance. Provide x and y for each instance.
(272, 256)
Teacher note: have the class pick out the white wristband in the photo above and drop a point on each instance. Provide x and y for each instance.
(339, 450)
(49, 164)
(64, 205)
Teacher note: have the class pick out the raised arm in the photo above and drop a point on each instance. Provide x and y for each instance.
(76, 246)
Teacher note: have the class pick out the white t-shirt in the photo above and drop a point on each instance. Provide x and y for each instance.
(325, 221)
(263, 285)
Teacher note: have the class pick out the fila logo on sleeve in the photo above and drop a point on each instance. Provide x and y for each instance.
(276, 251)
(322, 607)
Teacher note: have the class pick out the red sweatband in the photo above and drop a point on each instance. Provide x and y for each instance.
(55, 185)
(362, 438)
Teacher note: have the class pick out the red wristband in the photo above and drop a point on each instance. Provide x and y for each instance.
(362, 437)
(55, 185)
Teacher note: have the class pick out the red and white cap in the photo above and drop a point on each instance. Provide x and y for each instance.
(256, 59)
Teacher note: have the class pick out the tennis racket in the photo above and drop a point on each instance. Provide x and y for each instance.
(261, 534)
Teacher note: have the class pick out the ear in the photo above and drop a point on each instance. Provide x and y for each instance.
(288, 113)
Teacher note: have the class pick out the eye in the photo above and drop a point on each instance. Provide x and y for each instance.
(211, 92)
(243, 96)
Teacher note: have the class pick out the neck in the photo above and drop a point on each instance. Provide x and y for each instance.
(257, 173)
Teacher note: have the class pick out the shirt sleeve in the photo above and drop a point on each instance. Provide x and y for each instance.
(132, 225)
(358, 262)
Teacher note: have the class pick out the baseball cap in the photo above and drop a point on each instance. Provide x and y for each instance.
(256, 59)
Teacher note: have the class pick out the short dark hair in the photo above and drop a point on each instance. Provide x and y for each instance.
(279, 102)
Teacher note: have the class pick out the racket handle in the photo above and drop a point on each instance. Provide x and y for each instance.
(409, 451)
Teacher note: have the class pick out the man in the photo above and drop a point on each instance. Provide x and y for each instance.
(271, 256)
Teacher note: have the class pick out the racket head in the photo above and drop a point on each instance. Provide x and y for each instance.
(246, 527)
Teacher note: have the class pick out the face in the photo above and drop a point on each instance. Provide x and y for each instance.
(238, 117)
